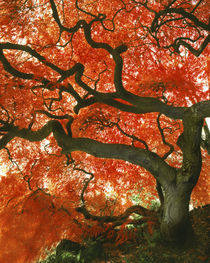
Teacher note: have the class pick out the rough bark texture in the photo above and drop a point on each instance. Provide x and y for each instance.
(177, 184)
(175, 223)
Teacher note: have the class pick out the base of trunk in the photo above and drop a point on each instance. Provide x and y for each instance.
(176, 226)
(181, 236)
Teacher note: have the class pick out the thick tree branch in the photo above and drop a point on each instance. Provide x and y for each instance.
(160, 19)
(137, 104)
(143, 157)
(106, 219)
(30, 51)
(150, 161)
(179, 11)
(190, 141)
(115, 53)
(194, 51)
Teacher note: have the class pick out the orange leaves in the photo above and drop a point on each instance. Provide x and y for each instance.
(110, 234)
(125, 234)
(37, 221)
(12, 190)
(200, 194)
(116, 236)
(208, 69)
(39, 191)
(122, 234)
(94, 231)
(122, 237)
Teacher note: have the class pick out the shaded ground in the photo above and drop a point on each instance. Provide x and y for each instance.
(150, 249)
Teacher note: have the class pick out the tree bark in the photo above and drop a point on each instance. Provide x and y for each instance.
(175, 223)
(177, 184)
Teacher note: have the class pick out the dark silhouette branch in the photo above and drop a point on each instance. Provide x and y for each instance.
(140, 210)
(190, 141)
(165, 174)
(171, 148)
(104, 122)
(194, 51)
(149, 160)
(107, 219)
(186, 16)
(155, 25)
(137, 104)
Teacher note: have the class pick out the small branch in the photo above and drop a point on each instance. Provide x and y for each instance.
(132, 137)
(52, 116)
(163, 139)
(196, 6)
(179, 11)
(103, 122)
(83, 11)
(87, 181)
(12, 161)
(26, 178)
(106, 219)
(194, 51)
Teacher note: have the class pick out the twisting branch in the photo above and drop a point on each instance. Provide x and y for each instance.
(27, 178)
(163, 139)
(115, 53)
(143, 157)
(107, 219)
(83, 11)
(52, 116)
(155, 25)
(137, 104)
(194, 51)
(86, 182)
(131, 136)
(103, 122)
(159, 20)
(171, 13)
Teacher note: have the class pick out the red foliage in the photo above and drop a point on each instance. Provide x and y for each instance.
(38, 191)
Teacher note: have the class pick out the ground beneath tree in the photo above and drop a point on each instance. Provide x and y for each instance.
(150, 249)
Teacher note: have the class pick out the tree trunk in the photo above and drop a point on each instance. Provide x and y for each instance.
(175, 223)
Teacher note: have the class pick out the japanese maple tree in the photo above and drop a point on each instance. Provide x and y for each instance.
(100, 101)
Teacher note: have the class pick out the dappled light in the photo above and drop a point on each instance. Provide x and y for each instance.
(102, 107)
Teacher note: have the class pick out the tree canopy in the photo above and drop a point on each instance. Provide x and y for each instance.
(101, 102)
